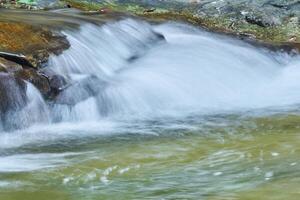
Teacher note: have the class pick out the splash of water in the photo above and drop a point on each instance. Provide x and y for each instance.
(189, 71)
(133, 70)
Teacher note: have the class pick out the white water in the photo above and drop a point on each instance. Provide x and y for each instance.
(192, 72)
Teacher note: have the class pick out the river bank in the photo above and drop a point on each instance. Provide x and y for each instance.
(270, 23)
(274, 23)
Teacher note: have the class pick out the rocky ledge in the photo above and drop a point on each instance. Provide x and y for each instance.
(24, 51)
(35, 42)
(272, 22)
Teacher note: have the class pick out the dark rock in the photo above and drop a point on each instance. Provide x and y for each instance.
(12, 93)
(257, 21)
(16, 58)
(57, 84)
(38, 80)
(56, 81)
(12, 100)
(149, 10)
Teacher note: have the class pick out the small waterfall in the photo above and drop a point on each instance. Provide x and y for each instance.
(176, 70)
(21, 104)
(134, 70)
(13, 99)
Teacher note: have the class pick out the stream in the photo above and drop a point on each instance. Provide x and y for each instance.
(157, 111)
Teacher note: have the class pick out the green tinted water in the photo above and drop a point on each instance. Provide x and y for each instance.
(227, 157)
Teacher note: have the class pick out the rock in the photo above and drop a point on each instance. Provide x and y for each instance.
(39, 59)
(56, 82)
(149, 10)
(15, 58)
(46, 81)
(8, 66)
(12, 93)
(257, 21)
(12, 101)
(38, 80)
(34, 42)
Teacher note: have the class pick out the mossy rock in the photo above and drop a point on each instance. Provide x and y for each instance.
(33, 41)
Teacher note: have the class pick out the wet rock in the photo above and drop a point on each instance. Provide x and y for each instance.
(13, 99)
(13, 59)
(46, 85)
(8, 66)
(150, 10)
(12, 93)
(39, 59)
(258, 21)
(38, 80)
(56, 82)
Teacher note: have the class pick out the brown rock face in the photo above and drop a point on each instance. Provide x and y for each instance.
(45, 80)
(33, 41)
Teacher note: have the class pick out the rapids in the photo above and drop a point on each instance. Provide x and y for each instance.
(165, 110)
(131, 69)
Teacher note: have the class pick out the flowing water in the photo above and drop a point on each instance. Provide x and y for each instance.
(163, 111)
